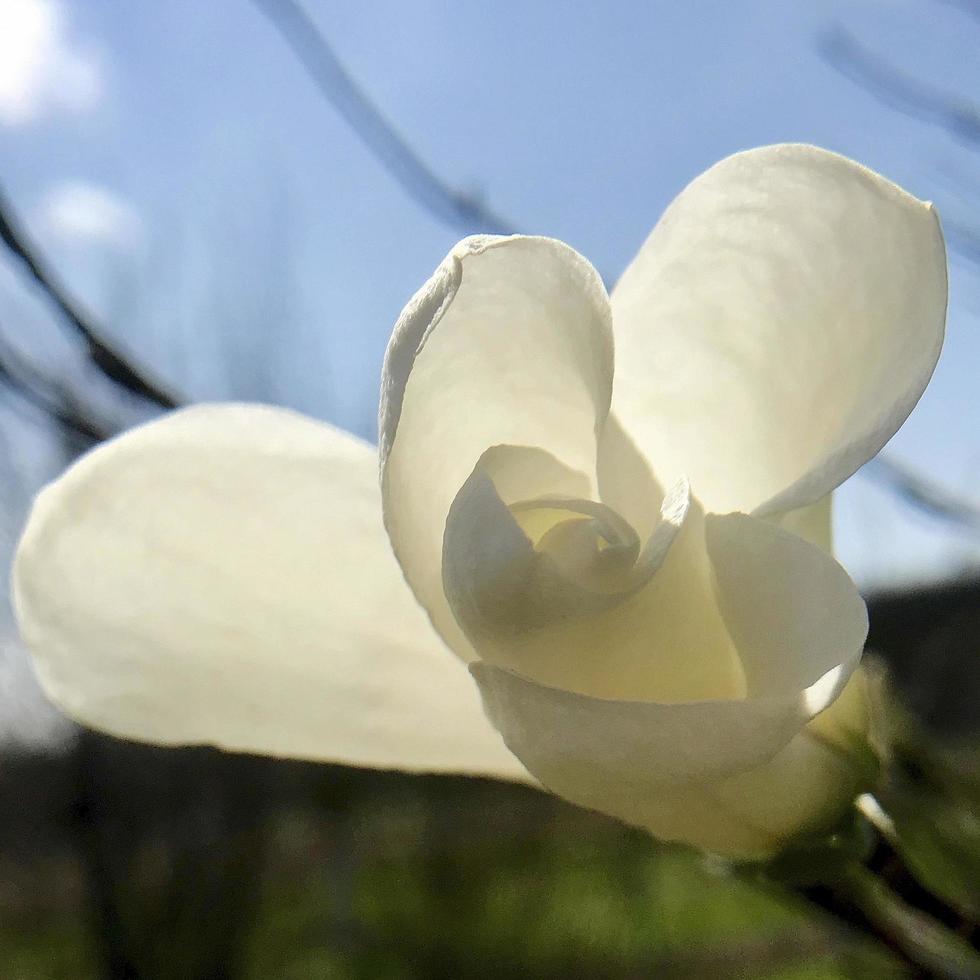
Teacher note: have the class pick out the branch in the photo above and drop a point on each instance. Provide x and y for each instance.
(971, 7)
(923, 494)
(33, 389)
(865, 899)
(111, 364)
(964, 239)
(450, 206)
(899, 90)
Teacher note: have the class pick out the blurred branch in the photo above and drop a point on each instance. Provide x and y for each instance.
(31, 387)
(960, 118)
(964, 239)
(110, 363)
(901, 91)
(450, 206)
(312, 49)
(936, 949)
(895, 88)
(440, 199)
(971, 7)
(922, 493)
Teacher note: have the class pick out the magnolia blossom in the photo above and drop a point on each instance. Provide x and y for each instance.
(631, 568)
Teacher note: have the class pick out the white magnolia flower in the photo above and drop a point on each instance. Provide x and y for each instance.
(644, 595)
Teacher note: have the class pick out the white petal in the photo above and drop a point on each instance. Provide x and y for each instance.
(587, 749)
(737, 777)
(563, 592)
(778, 326)
(814, 522)
(798, 625)
(804, 790)
(626, 481)
(795, 616)
(509, 343)
(222, 576)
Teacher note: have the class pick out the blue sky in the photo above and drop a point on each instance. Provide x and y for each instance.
(224, 222)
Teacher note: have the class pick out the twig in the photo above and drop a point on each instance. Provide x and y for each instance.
(922, 493)
(419, 181)
(31, 387)
(110, 363)
(906, 94)
(918, 937)
(970, 7)
(958, 116)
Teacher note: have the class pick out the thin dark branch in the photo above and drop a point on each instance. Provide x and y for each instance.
(958, 116)
(923, 494)
(419, 181)
(40, 393)
(908, 95)
(906, 932)
(110, 363)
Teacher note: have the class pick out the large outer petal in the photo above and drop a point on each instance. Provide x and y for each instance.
(222, 576)
(510, 342)
(803, 790)
(799, 625)
(778, 326)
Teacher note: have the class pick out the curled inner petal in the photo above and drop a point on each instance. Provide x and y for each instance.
(562, 590)
(589, 543)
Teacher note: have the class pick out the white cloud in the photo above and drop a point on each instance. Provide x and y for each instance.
(75, 210)
(41, 67)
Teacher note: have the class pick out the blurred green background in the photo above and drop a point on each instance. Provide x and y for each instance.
(217, 866)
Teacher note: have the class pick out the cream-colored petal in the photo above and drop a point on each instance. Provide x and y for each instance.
(778, 326)
(804, 790)
(563, 590)
(736, 777)
(589, 749)
(626, 481)
(845, 723)
(794, 615)
(222, 576)
(565, 593)
(510, 342)
(814, 522)
(798, 625)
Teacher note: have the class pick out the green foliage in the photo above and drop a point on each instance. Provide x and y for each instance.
(932, 796)
(371, 875)
(465, 879)
(53, 949)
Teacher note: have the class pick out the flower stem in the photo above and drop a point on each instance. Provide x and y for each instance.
(862, 898)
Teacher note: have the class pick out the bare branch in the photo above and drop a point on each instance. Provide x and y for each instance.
(971, 7)
(450, 206)
(46, 396)
(922, 493)
(110, 363)
(962, 238)
(895, 88)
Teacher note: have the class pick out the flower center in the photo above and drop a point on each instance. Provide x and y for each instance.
(589, 543)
